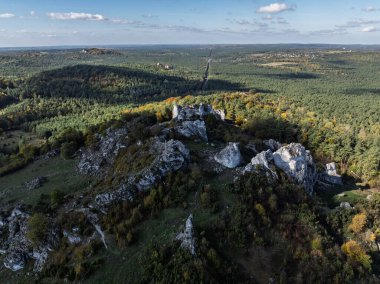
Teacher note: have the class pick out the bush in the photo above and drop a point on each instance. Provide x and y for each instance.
(357, 254)
(37, 226)
(68, 150)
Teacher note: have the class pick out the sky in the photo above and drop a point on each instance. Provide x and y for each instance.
(127, 22)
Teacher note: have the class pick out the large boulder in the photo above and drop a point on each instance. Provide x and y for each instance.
(93, 160)
(186, 237)
(195, 112)
(262, 163)
(330, 175)
(298, 164)
(230, 156)
(192, 129)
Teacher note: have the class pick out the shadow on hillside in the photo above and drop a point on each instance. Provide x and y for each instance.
(264, 91)
(362, 91)
(289, 76)
(116, 84)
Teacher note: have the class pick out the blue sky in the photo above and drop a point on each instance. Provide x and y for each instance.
(97, 22)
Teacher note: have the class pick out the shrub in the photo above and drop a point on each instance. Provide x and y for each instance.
(68, 150)
(356, 254)
(358, 222)
(37, 226)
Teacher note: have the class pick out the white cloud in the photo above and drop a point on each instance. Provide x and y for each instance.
(368, 29)
(274, 8)
(370, 9)
(124, 21)
(6, 16)
(32, 13)
(76, 16)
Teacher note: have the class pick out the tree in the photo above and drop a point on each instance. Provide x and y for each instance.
(358, 222)
(68, 149)
(356, 254)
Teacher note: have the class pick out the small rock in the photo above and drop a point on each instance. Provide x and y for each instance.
(272, 144)
(35, 183)
(345, 205)
(330, 175)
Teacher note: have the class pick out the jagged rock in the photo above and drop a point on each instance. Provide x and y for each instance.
(187, 236)
(92, 161)
(18, 249)
(262, 163)
(40, 256)
(195, 112)
(51, 154)
(272, 144)
(94, 220)
(105, 198)
(252, 147)
(15, 260)
(73, 237)
(330, 175)
(191, 129)
(221, 113)
(35, 183)
(298, 164)
(230, 156)
(345, 205)
(172, 155)
(16, 246)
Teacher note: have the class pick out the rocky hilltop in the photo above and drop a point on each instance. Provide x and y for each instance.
(166, 153)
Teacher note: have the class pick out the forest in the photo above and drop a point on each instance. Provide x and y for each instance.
(248, 229)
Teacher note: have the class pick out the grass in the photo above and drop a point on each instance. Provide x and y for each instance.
(60, 175)
(124, 266)
(349, 193)
(9, 140)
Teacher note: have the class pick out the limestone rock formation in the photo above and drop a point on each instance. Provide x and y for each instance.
(171, 156)
(16, 245)
(195, 112)
(93, 161)
(187, 236)
(18, 249)
(230, 156)
(298, 164)
(190, 129)
(272, 144)
(262, 163)
(330, 175)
